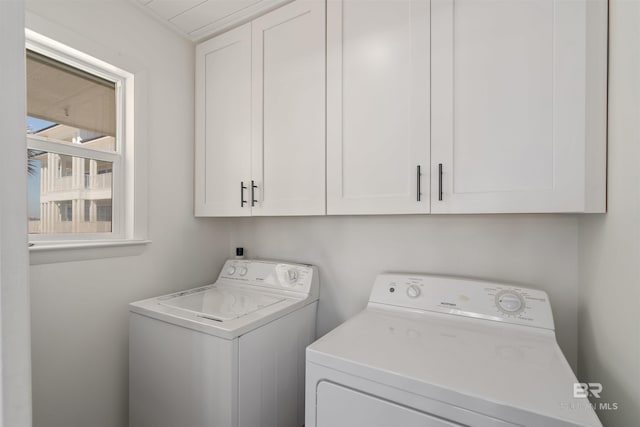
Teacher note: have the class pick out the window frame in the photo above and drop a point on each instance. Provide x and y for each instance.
(122, 224)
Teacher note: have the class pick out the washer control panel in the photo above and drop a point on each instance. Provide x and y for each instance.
(463, 297)
(271, 274)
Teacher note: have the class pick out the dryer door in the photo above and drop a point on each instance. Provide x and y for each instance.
(339, 406)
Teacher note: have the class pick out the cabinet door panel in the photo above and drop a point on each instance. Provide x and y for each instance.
(503, 96)
(377, 106)
(288, 143)
(509, 105)
(223, 123)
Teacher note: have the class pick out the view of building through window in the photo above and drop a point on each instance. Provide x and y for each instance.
(69, 194)
(69, 108)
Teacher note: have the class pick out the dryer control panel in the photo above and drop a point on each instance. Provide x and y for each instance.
(463, 297)
(271, 274)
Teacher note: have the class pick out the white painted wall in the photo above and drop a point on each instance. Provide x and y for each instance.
(609, 340)
(15, 367)
(79, 309)
(539, 251)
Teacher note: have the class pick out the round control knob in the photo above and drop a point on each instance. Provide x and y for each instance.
(509, 302)
(292, 276)
(413, 291)
(231, 271)
(243, 271)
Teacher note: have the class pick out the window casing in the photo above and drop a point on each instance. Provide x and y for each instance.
(100, 166)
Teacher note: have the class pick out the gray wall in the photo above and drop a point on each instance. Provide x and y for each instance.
(539, 251)
(79, 309)
(15, 384)
(609, 316)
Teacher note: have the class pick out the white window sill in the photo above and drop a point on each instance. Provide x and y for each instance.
(52, 252)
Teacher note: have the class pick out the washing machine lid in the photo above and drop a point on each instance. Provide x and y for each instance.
(222, 304)
(509, 372)
(247, 295)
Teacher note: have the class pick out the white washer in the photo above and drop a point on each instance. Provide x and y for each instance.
(225, 355)
(443, 351)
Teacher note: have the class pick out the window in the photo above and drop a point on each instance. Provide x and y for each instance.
(65, 211)
(77, 143)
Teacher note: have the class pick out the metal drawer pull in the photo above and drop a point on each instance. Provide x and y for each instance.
(419, 193)
(242, 200)
(440, 181)
(253, 199)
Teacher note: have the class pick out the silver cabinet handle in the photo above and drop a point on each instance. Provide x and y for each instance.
(418, 175)
(440, 181)
(253, 198)
(242, 200)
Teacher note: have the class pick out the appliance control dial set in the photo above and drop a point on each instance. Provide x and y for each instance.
(464, 297)
(293, 277)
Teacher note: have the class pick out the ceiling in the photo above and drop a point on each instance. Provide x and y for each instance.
(197, 20)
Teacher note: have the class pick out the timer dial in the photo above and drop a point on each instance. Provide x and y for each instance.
(413, 291)
(292, 276)
(510, 302)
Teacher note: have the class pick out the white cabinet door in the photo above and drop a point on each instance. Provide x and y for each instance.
(377, 106)
(288, 142)
(223, 124)
(518, 106)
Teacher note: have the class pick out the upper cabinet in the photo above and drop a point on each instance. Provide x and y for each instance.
(288, 126)
(517, 98)
(260, 116)
(518, 106)
(432, 106)
(377, 106)
(223, 124)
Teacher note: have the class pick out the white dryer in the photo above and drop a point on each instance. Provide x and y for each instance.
(225, 355)
(442, 351)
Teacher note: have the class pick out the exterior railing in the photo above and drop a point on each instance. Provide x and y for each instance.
(99, 182)
(95, 182)
(36, 227)
(63, 183)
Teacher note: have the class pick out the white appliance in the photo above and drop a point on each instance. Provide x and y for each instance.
(225, 355)
(442, 351)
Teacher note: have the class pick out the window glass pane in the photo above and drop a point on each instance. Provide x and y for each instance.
(69, 105)
(71, 135)
(69, 194)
